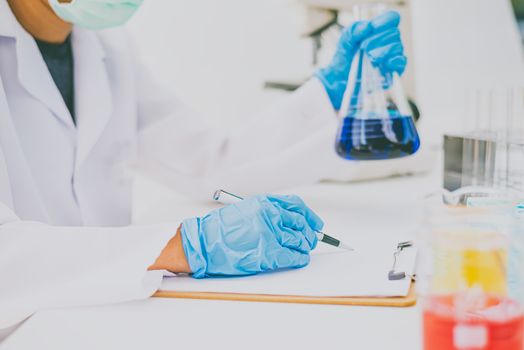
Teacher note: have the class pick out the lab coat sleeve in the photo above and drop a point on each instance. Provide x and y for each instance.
(289, 145)
(42, 266)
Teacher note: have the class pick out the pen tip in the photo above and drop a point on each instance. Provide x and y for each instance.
(345, 246)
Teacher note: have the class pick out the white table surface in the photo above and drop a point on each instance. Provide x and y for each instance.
(382, 210)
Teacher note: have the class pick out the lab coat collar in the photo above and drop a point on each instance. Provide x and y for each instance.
(93, 98)
(6, 195)
(7, 20)
(33, 73)
(92, 88)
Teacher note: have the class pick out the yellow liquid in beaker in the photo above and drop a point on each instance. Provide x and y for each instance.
(485, 269)
(457, 268)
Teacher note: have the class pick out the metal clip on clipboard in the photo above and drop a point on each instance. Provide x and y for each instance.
(393, 274)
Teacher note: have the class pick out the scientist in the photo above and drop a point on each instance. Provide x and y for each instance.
(76, 108)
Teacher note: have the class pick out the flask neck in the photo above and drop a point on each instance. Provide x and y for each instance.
(367, 11)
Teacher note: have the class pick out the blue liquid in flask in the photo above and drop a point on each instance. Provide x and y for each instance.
(375, 116)
(377, 138)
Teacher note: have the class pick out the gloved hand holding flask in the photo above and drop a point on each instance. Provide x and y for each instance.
(381, 41)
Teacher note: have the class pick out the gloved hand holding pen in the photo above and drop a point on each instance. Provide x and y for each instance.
(257, 234)
(380, 40)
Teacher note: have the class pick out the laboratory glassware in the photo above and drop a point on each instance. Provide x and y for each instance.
(375, 119)
(488, 151)
(467, 275)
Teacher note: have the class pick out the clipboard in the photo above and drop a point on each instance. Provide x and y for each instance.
(393, 274)
(408, 300)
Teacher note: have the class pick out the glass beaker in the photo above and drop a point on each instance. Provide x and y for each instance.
(493, 139)
(468, 303)
(376, 120)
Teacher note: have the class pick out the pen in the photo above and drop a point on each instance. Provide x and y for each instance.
(229, 198)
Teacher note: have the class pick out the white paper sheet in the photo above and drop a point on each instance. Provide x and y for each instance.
(361, 273)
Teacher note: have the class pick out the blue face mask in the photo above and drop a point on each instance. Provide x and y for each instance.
(96, 14)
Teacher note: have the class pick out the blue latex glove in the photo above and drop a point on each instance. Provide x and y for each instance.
(380, 39)
(258, 234)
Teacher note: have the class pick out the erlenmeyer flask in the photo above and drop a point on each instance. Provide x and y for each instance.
(376, 120)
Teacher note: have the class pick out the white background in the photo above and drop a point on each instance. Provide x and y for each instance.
(217, 54)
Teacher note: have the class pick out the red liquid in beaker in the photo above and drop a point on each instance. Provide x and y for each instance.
(499, 325)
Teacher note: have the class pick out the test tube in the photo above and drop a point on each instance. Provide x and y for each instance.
(493, 138)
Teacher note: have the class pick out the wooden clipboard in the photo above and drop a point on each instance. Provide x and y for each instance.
(408, 300)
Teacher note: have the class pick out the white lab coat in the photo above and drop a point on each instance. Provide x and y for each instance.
(65, 194)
